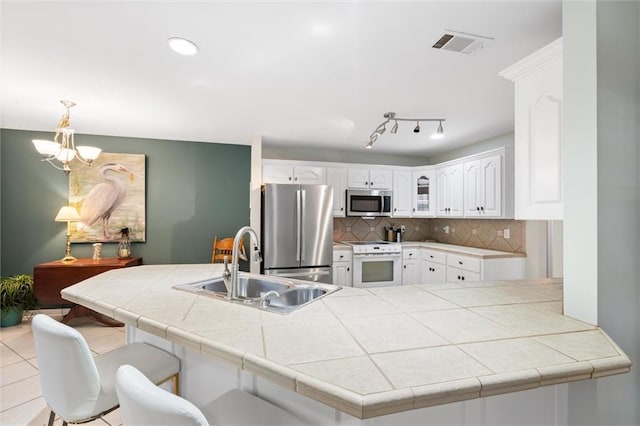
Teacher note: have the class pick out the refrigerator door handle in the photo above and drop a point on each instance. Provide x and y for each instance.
(302, 223)
(298, 223)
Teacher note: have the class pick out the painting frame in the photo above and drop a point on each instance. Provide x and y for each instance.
(109, 195)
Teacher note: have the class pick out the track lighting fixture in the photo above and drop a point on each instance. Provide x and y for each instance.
(388, 116)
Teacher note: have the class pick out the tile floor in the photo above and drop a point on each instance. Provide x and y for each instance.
(21, 401)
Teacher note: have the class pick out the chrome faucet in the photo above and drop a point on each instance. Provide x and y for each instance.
(233, 294)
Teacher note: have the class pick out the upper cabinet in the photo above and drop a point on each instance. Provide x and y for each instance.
(402, 204)
(449, 184)
(287, 173)
(483, 187)
(538, 133)
(369, 178)
(337, 178)
(422, 193)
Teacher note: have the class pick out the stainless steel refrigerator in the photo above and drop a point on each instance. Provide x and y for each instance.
(297, 231)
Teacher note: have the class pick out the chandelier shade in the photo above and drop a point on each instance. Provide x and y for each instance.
(60, 152)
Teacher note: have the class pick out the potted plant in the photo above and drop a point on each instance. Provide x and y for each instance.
(17, 295)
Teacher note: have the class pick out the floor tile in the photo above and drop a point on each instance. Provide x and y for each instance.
(425, 366)
(32, 413)
(106, 343)
(504, 356)
(8, 356)
(20, 392)
(16, 372)
(391, 333)
(22, 344)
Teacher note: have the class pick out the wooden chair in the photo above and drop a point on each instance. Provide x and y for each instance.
(224, 247)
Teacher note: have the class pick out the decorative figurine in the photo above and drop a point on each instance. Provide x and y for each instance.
(97, 251)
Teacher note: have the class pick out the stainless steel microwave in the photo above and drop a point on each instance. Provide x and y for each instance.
(368, 202)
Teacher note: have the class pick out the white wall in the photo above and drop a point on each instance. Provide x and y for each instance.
(602, 242)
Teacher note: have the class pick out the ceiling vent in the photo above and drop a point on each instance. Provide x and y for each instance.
(460, 42)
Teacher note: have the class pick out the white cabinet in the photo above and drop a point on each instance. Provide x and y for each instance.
(449, 187)
(538, 133)
(369, 178)
(410, 266)
(287, 173)
(422, 193)
(463, 268)
(433, 267)
(337, 178)
(342, 267)
(483, 187)
(402, 193)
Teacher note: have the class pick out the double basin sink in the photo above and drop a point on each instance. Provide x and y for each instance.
(272, 294)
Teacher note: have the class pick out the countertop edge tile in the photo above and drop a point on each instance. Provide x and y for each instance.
(228, 354)
(103, 308)
(272, 371)
(512, 381)
(126, 317)
(332, 395)
(565, 373)
(610, 340)
(394, 401)
(152, 326)
(610, 366)
(184, 338)
(446, 392)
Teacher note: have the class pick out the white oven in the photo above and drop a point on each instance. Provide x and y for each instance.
(376, 264)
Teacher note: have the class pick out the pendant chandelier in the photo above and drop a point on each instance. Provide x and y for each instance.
(391, 116)
(62, 150)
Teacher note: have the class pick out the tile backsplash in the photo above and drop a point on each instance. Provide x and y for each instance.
(481, 233)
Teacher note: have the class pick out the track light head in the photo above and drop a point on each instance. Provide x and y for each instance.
(394, 129)
(417, 128)
(369, 145)
(439, 134)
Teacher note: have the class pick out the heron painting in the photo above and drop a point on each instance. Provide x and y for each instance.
(109, 195)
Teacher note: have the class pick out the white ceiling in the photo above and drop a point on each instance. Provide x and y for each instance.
(307, 74)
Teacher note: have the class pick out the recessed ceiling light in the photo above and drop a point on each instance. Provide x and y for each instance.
(183, 46)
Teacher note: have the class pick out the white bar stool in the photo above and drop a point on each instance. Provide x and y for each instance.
(143, 403)
(78, 387)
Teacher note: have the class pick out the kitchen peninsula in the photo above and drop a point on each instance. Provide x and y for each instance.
(388, 352)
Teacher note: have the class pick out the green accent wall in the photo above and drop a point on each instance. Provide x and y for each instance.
(194, 191)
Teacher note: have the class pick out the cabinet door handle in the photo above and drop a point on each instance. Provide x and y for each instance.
(341, 208)
(410, 254)
(395, 209)
(463, 278)
(458, 276)
(478, 208)
(348, 269)
(482, 208)
(414, 209)
(296, 178)
(460, 262)
(341, 256)
(405, 266)
(289, 177)
(431, 256)
(366, 183)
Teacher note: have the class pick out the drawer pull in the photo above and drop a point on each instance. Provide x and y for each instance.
(460, 262)
(431, 256)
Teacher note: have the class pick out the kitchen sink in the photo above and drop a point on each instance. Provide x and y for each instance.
(273, 294)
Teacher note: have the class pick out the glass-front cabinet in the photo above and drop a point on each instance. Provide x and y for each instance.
(423, 193)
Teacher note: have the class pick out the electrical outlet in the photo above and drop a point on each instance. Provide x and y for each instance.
(506, 233)
(445, 229)
(402, 228)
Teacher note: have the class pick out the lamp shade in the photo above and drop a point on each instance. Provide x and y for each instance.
(67, 214)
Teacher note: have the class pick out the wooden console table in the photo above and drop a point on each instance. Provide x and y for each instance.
(51, 277)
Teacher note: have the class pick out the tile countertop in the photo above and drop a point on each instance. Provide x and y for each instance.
(371, 352)
(449, 248)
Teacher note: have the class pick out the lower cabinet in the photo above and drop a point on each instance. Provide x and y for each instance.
(342, 267)
(438, 266)
(410, 266)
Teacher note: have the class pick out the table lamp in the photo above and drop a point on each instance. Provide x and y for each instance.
(68, 214)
